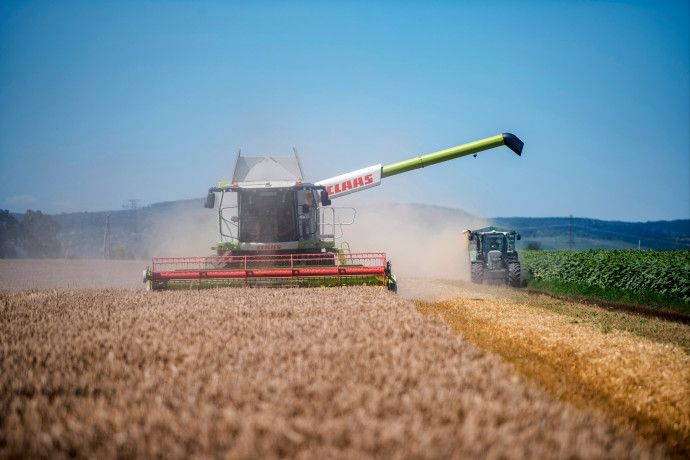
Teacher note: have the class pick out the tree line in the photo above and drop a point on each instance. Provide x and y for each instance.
(35, 236)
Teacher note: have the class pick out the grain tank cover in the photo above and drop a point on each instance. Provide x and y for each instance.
(267, 169)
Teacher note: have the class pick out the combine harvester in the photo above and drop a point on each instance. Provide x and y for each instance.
(277, 230)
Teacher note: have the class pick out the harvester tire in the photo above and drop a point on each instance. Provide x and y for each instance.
(514, 274)
(477, 272)
(393, 284)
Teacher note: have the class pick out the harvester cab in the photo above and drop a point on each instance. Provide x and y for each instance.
(493, 255)
(276, 229)
(268, 208)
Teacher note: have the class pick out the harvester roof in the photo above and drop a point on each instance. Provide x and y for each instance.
(267, 169)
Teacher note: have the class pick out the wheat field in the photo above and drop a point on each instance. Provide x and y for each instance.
(287, 373)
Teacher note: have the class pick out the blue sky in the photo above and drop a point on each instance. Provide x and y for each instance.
(101, 102)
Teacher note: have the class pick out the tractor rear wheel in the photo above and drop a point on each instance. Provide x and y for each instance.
(477, 272)
(514, 274)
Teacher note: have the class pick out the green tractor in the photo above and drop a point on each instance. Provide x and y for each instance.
(493, 255)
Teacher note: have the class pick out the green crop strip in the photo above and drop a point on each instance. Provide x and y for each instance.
(655, 279)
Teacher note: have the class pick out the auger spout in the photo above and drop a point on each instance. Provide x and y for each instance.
(509, 140)
(363, 179)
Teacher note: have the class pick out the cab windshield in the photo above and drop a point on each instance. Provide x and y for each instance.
(495, 243)
(267, 216)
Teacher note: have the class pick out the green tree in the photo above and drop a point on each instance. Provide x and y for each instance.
(38, 235)
(534, 247)
(9, 231)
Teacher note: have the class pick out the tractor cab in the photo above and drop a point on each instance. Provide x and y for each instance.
(493, 243)
(491, 239)
(493, 248)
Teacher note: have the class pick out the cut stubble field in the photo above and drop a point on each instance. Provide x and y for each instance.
(633, 369)
(250, 373)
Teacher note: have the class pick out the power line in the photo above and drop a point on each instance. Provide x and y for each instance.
(133, 204)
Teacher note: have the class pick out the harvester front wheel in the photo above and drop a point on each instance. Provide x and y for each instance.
(477, 272)
(514, 274)
(147, 279)
(392, 284)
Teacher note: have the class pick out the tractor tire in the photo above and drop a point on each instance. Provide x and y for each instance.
(514, 274)
(477, 272)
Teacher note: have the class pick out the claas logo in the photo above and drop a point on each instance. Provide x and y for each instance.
(350, 184)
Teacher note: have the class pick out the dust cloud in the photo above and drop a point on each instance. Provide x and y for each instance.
(182, 231)
(27, 274)
(421, 240)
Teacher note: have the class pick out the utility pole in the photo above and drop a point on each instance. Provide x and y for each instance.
(106, 238)
(571, 240)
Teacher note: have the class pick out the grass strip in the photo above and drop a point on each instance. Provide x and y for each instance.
(607, 321)
(649, 299)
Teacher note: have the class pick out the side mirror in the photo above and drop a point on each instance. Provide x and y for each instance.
(519, 237)
(210, 200)
(325, 201)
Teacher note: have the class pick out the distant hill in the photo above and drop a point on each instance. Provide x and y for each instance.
(553, 233)
(141, 233)
(186, 228)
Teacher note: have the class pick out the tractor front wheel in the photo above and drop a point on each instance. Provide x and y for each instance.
(477, 272)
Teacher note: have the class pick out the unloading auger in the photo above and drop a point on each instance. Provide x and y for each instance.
(277, 230)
